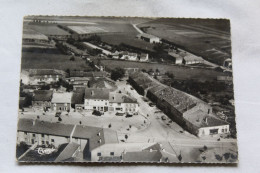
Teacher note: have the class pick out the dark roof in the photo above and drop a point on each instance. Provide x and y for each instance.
(121, 98)
(87, 74)
(33, 72)
(97, 93)
(142, 156)
(78, 96)
(81, 74)
(67, 152)
(201, 119)
(85, 132)
(43, 127)
(42, 95)
(147, 35)
(104, 136)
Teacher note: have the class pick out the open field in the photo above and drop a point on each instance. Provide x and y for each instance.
(180, 72)
(210, 41)
(126, 38)
(47, 29)
(50, 59)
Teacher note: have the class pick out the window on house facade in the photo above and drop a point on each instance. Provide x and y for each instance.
(52, 140)
(25, 133)
(98, 154)
(112, 153)
(33, 135)
(42, 142)
(42, 135)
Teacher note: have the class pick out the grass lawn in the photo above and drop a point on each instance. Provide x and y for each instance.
(180, 72)
(50, 59)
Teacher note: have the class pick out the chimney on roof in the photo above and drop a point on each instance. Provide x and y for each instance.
(92, 92)
(206, 120)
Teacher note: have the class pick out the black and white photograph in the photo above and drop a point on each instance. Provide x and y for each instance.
(126, 89)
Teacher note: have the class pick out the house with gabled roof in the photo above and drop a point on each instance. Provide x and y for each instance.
(96, 99)
(188, 111)
(122, 103)
(42, 99)
(84, 139)
(61, 101)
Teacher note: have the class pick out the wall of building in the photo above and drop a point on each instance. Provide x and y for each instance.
(224, 129)
(105, 152)
(97, 104)
(41, 139)
(124, 107)
(61, 106)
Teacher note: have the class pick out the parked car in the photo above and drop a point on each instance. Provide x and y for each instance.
(97, 113)
(128, 115)
(163, 117)
(57, 114)
(120, 114)
(151, 104)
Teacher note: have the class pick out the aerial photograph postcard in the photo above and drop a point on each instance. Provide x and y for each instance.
(126, 89)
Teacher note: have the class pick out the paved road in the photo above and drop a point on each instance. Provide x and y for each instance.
(159, 131)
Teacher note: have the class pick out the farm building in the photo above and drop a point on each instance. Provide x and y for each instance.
(128, 56)
(144, 57)
(192, 59)
(42, 76)
(177, 56)
(149, 38)
(87, 138)
(81, 32)
(33, 37)
(61, 101)
(191, 113)
(42, 99)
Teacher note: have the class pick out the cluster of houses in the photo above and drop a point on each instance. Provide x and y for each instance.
(100, 99)
(191, 113)
(87, 143)
(91, 91)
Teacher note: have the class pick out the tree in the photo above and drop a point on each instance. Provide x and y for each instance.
(117, 74)
(68, 71)
(126, 137)
(72, 58)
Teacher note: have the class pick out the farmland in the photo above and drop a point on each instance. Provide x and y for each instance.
(47, 29)
(36, 58)
(209, 41)
(126, 38)
(180, 72)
